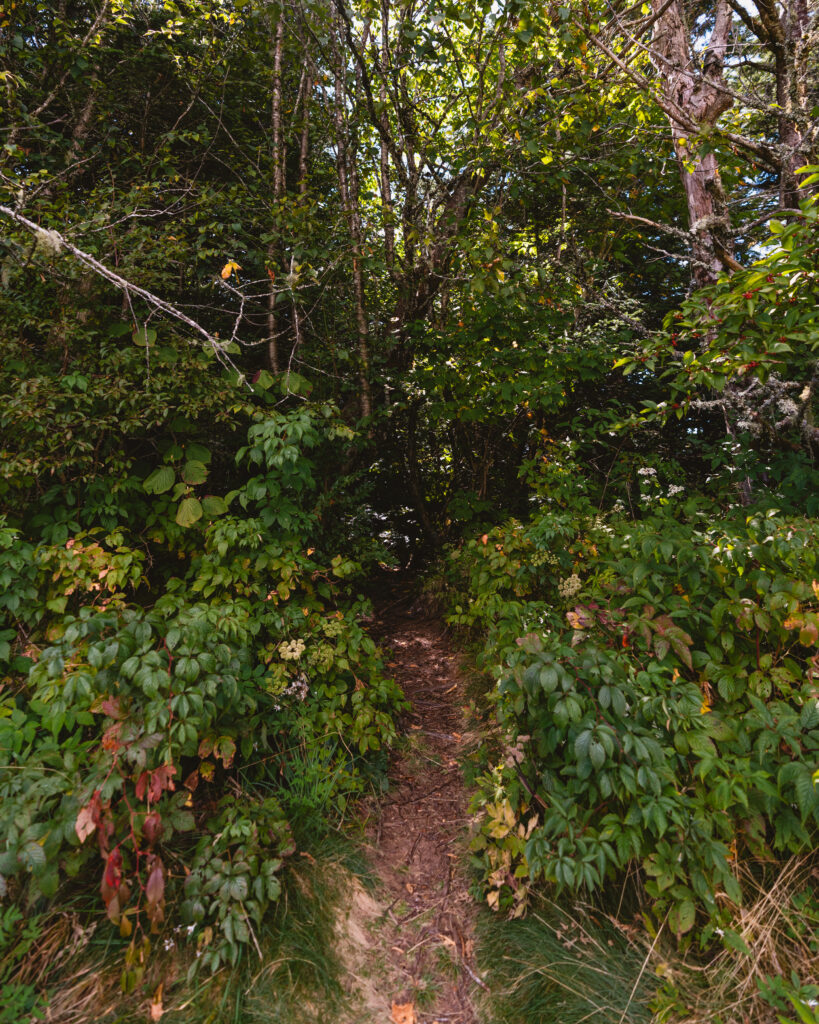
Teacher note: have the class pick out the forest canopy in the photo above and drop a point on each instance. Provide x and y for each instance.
(522, 294)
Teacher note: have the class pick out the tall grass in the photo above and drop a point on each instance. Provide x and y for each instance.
(55, 968)
(773, 957)
(299, 979)
(564, 966)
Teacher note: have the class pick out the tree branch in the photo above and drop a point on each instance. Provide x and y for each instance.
(59, 241)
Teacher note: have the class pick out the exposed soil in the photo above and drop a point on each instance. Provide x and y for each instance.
(418, 833)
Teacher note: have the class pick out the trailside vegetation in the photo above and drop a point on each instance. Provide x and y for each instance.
(524, 293)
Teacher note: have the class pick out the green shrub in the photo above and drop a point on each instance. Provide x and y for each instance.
(656, 686)
(122, 721)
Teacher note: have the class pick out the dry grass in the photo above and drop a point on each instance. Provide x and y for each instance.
(76, 984)
(782, 938)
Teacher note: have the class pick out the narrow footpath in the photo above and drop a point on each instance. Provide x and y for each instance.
(418, 836)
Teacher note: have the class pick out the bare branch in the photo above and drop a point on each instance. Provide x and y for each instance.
(667, 229)
(60, 241)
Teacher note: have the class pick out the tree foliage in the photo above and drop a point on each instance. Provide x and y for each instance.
(291, 289)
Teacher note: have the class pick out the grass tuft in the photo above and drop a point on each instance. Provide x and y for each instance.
(564, 966)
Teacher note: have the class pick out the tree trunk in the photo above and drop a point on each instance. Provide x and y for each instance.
(304, 146)
(349, 190)
(273, 252)
(696, 101)
(386, 190)
(786, 36)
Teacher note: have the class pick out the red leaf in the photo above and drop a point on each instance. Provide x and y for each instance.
(111, 876)
(141, 785)
(152, 827)
(113, 908)
(155, 886)
(155, 893)
(225, 748)
(111, 707)
(110, 738)
(161, 778)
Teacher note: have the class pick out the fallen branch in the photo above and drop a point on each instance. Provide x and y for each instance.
(57, 241)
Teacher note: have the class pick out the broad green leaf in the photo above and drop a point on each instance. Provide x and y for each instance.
(682, 916)
(194, 472)
(213, 506)
(161, 480)
(189, 511)
(144, 336)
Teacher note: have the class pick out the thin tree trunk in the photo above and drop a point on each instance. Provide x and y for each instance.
(81, 129)
(304, 146)
(386, 189)
(785, 36)
(304, 149)
(273, 251)
(349, 191)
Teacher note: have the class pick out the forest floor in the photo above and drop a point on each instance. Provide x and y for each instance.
(410, 944)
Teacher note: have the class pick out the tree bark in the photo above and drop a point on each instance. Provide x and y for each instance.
(386, 189)
(786, 36)
(304, 144)
(697, 98)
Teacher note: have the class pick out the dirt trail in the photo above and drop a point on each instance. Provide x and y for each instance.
(418, 836)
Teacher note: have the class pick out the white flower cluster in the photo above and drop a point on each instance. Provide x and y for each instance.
(291, 650)
(675, 489)
(569, 587)
(647, 471)
(299, 688)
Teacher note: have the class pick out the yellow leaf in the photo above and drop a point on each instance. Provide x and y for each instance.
(229, 268)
